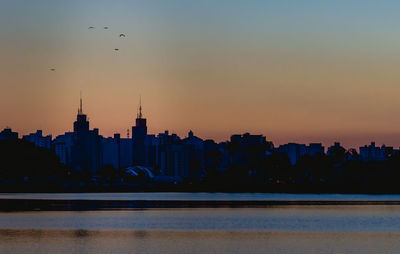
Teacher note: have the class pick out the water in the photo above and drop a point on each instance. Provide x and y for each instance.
(338, 219)
(275, 229)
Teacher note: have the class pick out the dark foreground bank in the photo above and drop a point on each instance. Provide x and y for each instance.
(200, 187)
(13, 205)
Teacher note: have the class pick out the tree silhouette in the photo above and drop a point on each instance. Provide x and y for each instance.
(21, 160)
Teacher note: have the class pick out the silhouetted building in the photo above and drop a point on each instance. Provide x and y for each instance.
(139, 133)
(62, 146)
(223, 148)
(151, 151)
(126, 152)
(337, 154)
(293, 150)
(112, 151)
(194, 150)
(315, 148)
(216, 155)
(171, 156)
(248, 139)
(8, 134)
(87, 146)
(177, 158)
(373, 153)
(331, 149)
(242, 148)
(117, 138)
(117, 151)
(38, 139)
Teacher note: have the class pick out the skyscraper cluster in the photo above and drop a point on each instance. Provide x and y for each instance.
(168, 156)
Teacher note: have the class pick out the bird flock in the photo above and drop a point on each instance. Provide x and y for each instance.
(121, 35)
(105, 28)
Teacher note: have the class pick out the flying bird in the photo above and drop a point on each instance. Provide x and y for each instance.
(52, 69)
(116, 49)
(106, 27)
(122, 35)
(91, 27)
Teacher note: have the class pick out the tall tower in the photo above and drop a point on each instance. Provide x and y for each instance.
(140, 121)
(81, 125)
(86, 150)
(80, 155)
(139, 133)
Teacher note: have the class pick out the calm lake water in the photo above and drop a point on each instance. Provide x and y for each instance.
(275, 229)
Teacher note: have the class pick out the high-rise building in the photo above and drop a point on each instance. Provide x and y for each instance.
(87, 146)
(111, 151)
(62, 146)
(172, 159)
(139, 133)
(151, 145)
(126, 152)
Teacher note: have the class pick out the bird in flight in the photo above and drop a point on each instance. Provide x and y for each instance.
(52, 69)
(116, 49)
(106, 27)
(91, 27)
(122, 35)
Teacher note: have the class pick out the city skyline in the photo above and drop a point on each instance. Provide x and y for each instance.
(296, 72)
(139, 115)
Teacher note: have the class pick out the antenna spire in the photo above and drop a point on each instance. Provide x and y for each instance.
(140, 108)
(80, 111)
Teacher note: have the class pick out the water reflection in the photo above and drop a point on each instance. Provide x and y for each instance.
(293, 229)
(81, 233)
(156, 241)
(275, 219)
(140, 234)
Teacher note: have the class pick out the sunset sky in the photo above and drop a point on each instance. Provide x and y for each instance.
(301, 71)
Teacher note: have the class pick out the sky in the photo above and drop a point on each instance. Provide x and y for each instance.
(294, 71)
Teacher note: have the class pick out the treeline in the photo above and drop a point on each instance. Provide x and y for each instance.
(22, 161)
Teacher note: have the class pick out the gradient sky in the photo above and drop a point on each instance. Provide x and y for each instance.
(301, 71)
